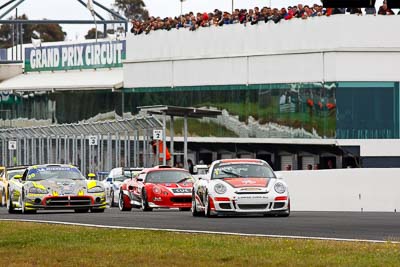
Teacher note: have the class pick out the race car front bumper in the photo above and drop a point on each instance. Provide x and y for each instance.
(252, 203)
(67, 202)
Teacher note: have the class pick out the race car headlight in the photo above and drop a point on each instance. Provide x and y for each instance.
(35, 190)
(280, 188)
(96, 189)
(156, 190)
(220, 189)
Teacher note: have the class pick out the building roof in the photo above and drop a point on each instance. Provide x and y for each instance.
(65, 80)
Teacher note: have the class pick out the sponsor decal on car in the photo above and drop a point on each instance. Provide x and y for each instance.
(247, 182)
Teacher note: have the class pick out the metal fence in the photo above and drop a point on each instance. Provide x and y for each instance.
(93, 147)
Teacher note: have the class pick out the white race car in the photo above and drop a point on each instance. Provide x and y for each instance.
(114, 180)
(240, 186)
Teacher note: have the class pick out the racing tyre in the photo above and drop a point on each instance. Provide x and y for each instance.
(3, 199)
(145, 204)
(207, 208)
(121, 203)
(112, 203)
(10, 206)
(81, 210)
(195, 212)
(23, 210)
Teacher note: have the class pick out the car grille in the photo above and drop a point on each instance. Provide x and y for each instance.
(252, 206)
(181, 199)
(226, 206)
(250, 193)
(68, 201)
(279, 205)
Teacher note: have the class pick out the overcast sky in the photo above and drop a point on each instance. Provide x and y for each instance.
(72, 9)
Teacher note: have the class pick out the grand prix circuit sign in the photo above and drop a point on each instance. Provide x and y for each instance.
(75, 56)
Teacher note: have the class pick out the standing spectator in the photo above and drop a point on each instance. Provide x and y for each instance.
(190, 166)
(384, 10)
(370, 11)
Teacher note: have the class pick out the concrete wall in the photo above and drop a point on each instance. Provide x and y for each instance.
(313, 50)
(344, 189)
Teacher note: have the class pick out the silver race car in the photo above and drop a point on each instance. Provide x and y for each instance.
(54, 186)
(114, 180)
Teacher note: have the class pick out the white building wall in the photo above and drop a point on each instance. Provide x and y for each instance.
(336, 48)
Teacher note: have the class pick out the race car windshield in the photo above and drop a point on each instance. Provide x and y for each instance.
(242, 171)
(131, 173)
(54, 173)
(160, 177)
(120, 179)
(11, 174)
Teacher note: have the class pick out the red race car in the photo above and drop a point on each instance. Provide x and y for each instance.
(158, 187)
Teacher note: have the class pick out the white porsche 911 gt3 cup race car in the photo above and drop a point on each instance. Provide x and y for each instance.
(240, 186)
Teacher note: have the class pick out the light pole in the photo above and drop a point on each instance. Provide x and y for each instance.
(182, 6)
(91, 8)
(232, 6)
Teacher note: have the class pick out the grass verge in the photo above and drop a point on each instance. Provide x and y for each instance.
(30, 244)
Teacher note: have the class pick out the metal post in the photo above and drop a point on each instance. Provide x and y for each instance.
(85, 171)
(126, 154)
(39, 154)
(90, 158)
(185, 137)
(82, 155)
(27, 151)
(109, 156)
(136, 149)
(33, 151)
(171, 141)
(48, 150)
(19, 148)
(145, 149)
(57, 149)
(117, 149)
(164, 139)
(73, 150)
(101, 153)
(25, 161)
(98, 152)
(66, 150)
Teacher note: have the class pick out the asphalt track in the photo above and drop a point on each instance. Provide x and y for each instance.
(342, 225)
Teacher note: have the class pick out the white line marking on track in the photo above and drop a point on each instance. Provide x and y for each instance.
(204, 232)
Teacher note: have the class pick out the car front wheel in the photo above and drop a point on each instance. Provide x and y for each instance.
(121, 203)
(145, 204)
(10, 205)
(195, 212)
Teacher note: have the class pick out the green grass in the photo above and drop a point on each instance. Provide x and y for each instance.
(29, 244)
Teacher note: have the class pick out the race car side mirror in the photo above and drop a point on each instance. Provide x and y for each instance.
(18, 177)
(139, 179)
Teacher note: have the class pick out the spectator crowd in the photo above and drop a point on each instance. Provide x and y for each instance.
(253, 16)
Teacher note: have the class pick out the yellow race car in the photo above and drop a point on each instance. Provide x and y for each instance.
(54, 187)
(5, 175)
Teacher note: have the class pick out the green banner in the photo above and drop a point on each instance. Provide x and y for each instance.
(75, 56)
